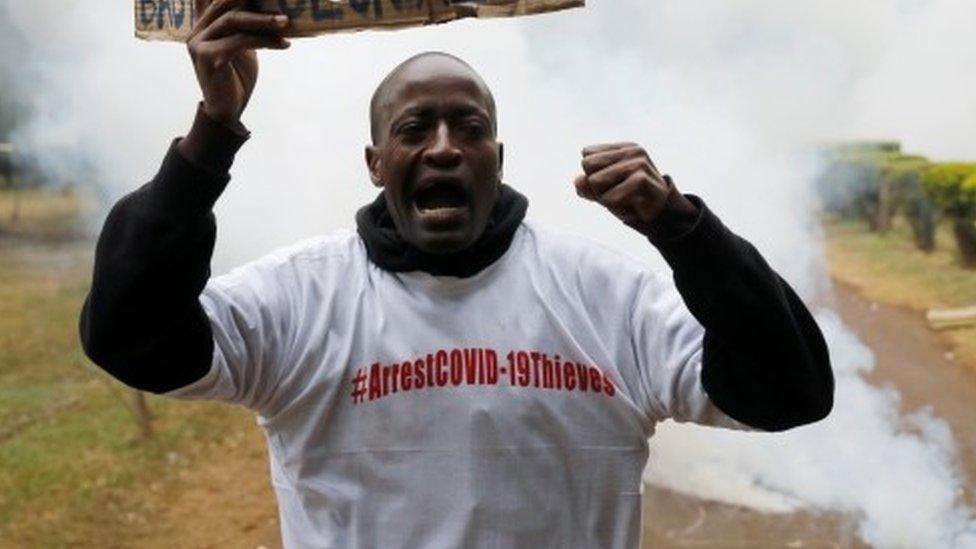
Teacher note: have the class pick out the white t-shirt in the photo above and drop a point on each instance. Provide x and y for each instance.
(508, 409)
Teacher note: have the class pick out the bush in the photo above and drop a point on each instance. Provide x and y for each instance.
(864, 147)
(968, 188)
(902, 191)
(874, 180)
(952, 187)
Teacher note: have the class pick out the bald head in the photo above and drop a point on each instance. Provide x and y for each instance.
(418, 68)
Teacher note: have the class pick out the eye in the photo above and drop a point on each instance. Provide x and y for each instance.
(474, 129)
(411, 129)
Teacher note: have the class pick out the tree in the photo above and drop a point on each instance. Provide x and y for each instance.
(952, 187)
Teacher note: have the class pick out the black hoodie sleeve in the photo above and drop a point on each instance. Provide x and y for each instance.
(142, 321)
(765, 362)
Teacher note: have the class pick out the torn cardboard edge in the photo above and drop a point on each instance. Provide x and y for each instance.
(172, 20)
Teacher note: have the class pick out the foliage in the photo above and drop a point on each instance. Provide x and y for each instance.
(873, 181)
(903, 174)
(967, 190)
(848, 185)
(854, 177)
(952, 187)
(862, 147)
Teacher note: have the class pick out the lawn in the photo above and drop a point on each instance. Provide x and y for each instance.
(888, 268)
(45, 214)
(74, 470)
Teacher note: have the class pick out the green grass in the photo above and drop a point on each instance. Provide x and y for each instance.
(890, 265)
(44, 214)
(889, 269)
(73, 469)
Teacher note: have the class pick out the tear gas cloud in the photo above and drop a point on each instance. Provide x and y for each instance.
(728, 97)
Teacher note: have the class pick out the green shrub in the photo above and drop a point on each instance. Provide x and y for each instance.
(952, 187)
(872, 181)
(864, 147)
(904, 174)
(902, 192)
(967, 190)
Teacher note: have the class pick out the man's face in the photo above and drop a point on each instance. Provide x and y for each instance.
(436, 155)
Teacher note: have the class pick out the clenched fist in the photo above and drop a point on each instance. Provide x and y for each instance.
(623, 179)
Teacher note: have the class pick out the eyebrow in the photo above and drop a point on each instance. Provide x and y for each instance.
(454, 111)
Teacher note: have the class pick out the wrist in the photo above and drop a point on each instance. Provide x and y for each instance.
(231, 120)
(211, 144)
(679, 216)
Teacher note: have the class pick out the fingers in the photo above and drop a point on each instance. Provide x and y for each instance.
(631, 194)
(224, 50)
(593, 149)
(198, 7)
(611, 176)
(224, 31)
(583, 188)
(608, 165)
(595, 162)
(622, 178)
(238, 21)
(209, 10)
(598, 157)
(634, 202)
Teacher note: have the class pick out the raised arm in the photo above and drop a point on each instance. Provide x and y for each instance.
(142, 321)
(765, 362)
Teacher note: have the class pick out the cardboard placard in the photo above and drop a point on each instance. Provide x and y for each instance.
(173, 19)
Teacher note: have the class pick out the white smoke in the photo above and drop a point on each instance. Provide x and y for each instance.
(898, 473)
(725, 95)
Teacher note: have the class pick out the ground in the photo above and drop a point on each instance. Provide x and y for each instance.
(886, 268)
(74, 470)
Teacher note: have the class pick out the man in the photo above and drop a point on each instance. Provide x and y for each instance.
(448, 376)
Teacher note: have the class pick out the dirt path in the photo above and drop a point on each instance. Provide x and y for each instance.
(917, 361)
(227, 501)
(921, 365)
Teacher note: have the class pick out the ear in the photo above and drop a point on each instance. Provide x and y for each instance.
(373, 165)
(501, 161)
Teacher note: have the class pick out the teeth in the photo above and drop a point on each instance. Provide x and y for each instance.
(441, 214)
(440, 196)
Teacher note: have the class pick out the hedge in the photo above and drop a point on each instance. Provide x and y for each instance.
(874, 180)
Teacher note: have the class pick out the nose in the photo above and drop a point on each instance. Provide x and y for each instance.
(442, 151)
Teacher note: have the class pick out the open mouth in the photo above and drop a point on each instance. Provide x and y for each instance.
(441, 201)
